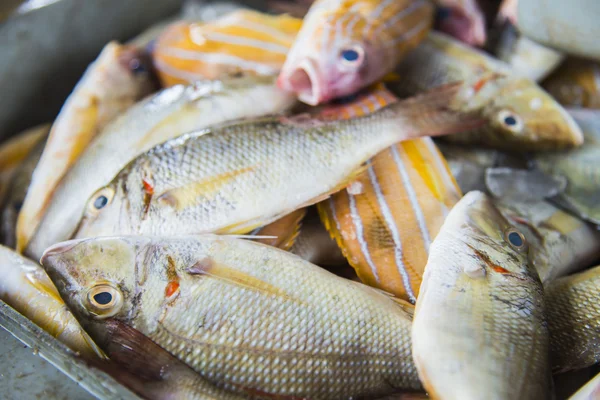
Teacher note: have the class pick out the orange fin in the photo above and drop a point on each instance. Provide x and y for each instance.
(284, 231)
(208, 266)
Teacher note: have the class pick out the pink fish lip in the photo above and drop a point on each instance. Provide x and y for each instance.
(304, 80)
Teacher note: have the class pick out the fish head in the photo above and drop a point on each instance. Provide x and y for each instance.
(497, 248)
(333, 59)
(96, 278)
(103, 212)
(522, 113)
(123, 67)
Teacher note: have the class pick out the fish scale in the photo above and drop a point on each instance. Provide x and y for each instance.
(574, 317)
(480, 323)
(493, 91)
(249, 317)
(239, 176)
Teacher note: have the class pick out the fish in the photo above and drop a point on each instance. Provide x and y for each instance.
(314, 244)
(579, 167)
(469, 164)
(113, 82)
(590, 391)
(480, 324)
(574, 320)
(258, 320)
(168, 114)
(559, 242)
(283, 232)
(154, 373)
(16, 191)
(346, 45)
(520, 115)
(385, 221)
(26, 287)
(525, 56)
(523, 185)
(572, 30)
(15, 150)
(462, 19)
(240, 42)
(246, 174)
(576, 83)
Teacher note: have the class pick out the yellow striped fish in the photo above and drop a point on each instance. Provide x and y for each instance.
(385, 221)
(243, 41)
(345, 45)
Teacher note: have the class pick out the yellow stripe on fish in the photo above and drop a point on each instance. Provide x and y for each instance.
(385, 221)
(241, 42)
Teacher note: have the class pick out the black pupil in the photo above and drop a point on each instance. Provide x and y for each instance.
(137, 67)
(100, 202)
(515, 239)
(511, 121)
(103, 298)
(350, 55)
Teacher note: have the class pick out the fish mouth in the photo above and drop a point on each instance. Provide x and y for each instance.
(304, 81)
(57, 249)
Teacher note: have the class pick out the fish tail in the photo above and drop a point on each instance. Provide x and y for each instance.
(431, 113)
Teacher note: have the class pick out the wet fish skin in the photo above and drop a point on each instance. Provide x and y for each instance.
(16, 191)
(240, 42)
(469, 164)
(113, 82)
(15, 150)
(385, 226)
(479, 323)
(344, 46)
(579, 167)
(245, 304)
(560, 243)
(575, 83)
(166, 115)
(574, 320)
(26, 287)
(153, 372)
(234, 178)
(520, 115)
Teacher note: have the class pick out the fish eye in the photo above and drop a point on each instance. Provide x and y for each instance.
(137, 67)
(103, 300)
(510, 120)
(352, 56)
(516, 239)
(101, 199)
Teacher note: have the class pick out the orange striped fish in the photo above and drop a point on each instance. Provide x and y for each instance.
(385, 221)
(346, 45)
(243, 41)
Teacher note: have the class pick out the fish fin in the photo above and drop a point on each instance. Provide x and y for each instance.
(209, 267)
(353, 176)
(136, 352)
(406, 306)
(432, 113)
(141, 365)
(523, 185)
(184, 196)
(283, 231)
